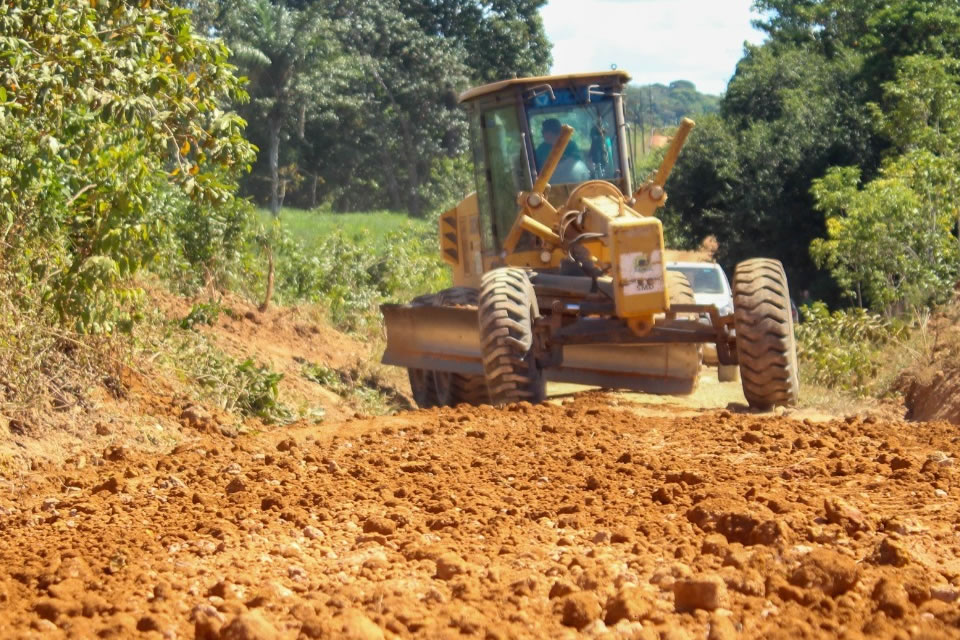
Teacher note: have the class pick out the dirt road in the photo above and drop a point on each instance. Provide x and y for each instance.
(583, 517)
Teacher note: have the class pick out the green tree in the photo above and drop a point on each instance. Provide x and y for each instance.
(745, 176)
(285, 52)
(882, 31)
(798, 105)
(498, 38)
(830, 25)
(921, 108)
(890, 243)
(104, 108)
(392, 117)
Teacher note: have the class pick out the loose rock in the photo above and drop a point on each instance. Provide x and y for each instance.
(829, 571)
(579, 609)
(705, 592)
(631, 603)
(249, 626)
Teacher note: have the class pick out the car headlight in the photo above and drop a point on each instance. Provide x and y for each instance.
(726, 309)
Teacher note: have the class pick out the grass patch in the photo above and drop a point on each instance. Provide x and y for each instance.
(310, 228)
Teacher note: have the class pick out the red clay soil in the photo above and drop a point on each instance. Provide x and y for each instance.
(528, 522)
(285, 339)
(935, 399)
(931, 387)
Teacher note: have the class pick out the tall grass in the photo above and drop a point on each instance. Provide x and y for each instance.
(351, 263)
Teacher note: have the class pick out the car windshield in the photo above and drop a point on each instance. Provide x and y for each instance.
(702, 279)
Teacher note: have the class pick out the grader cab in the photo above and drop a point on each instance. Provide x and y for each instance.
(559, 269)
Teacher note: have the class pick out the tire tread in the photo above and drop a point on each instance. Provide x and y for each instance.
(765, 342)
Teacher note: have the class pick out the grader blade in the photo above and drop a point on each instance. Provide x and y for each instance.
(658, 368)
(448, 339)
(436, 338)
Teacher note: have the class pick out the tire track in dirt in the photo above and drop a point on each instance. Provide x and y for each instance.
(529, 522)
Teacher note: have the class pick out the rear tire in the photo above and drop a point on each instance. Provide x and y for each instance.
(508, 307)
(766, 347)
(680, 292)
(679, 289)
(423, 388)
(443, 388)
(422, 383)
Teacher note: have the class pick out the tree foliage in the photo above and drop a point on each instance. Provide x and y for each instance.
(658, 105)
(818, 94)
(745, 175)
(498, 38)
(354, 101)
(285, 53)
(106, 109)
(396, 116)
(890, 243)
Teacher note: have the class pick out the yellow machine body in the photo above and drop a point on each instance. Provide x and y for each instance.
(517, 218)
(460, 242)
(639, 279)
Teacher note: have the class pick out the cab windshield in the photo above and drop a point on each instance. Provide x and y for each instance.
(592, 152)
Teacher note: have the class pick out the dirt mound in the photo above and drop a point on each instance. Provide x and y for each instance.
(151, 407)
(935, 399)
(931, 386)
(704, 253)
(531, 522)
(291, 339)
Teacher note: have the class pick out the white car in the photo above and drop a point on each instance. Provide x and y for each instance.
(710, 286)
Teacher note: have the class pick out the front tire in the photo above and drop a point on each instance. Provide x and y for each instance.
(680, 292)
(766, 347)
(508, 307)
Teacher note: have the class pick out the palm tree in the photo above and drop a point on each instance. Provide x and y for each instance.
(283, 51)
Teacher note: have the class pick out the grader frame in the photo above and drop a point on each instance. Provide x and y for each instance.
(568, 282)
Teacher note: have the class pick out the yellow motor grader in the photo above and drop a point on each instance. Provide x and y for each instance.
(559, 267)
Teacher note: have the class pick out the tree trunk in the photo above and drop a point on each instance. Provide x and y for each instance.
(413, 185)
(273, 154)
(314, 182)
(268, 296)
(390, 175)
(413, 177)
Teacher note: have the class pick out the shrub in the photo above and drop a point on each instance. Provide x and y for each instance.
(361, 388)
(351, 276)
(106, 108)
(245, 387)
(204, 313)
(840, 349)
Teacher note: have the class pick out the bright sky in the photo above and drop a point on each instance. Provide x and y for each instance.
(655, 40)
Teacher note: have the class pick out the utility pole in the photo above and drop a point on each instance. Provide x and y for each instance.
(643, 133)
(653, 122)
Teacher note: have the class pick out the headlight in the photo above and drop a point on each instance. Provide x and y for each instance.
(726, 309)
